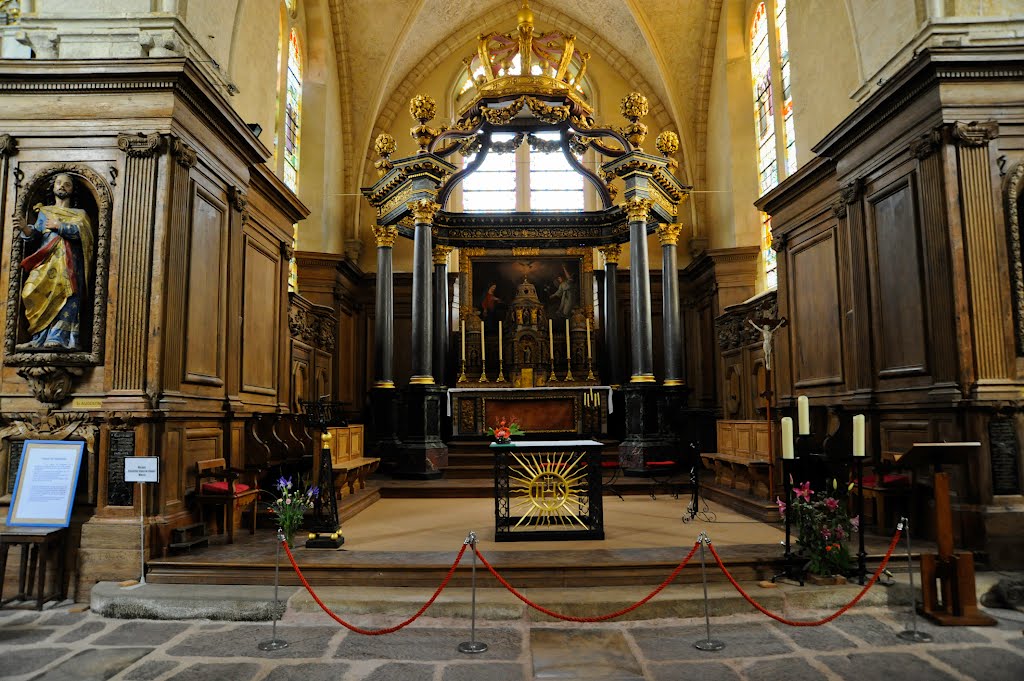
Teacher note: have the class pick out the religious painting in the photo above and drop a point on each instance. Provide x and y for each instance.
(57, 297)
(495, 282)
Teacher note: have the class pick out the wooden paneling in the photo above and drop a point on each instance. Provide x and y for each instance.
(814, 305)
(204, 330)
(260, 321)
(901, 342)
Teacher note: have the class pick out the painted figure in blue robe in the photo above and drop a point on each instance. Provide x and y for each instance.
(59, 246)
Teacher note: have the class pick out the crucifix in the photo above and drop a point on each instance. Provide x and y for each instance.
(767, 328)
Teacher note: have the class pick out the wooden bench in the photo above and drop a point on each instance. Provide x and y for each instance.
(350, 467)
(742, 460)
(219, 486)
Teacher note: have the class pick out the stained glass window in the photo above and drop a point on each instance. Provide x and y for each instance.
(293, 111)
(554, 184)
(771, 266)
(788, 133)
(764, 112)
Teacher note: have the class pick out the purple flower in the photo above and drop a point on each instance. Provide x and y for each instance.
(284, 483)
(832, 504)
(782, 507)
(803, 491)
(313, 491)
(855, 521)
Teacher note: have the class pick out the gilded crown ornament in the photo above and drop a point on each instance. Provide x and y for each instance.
(634, 107)
(668, 144)
(384, 146)
(423, 108)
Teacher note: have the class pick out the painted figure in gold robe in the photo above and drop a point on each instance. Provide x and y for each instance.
(60, 247)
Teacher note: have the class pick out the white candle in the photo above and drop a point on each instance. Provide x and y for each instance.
(551, 340)
(500, 349)
(483, 343)
(858, 435)
(787, 437)
(568, 351)
(803, 412)
(463, 323)
(588, 339)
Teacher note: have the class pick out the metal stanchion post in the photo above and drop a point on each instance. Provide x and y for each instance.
(472, 645)
(911, 634)
(275, 643)
(706, 644)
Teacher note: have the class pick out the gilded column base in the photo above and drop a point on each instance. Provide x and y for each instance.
(386, 385)
(642, 378)
(673, 382)
(421, 380)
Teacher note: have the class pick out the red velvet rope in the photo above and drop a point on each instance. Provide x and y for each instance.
(817, 623)
(373, 632)
(600, 618)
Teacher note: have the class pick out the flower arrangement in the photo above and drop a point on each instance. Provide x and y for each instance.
(291, 504)
(504, 429)
(823, 527)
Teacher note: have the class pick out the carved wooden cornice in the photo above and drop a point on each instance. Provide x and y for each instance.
(385, 235)
(8, 145)
(140, 145)
(974, 134)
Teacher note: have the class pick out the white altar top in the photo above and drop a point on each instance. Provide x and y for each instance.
(585, 388)
(554, 444)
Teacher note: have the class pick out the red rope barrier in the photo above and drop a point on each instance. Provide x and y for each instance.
(817, 623)
(373, 632)
(600, 618)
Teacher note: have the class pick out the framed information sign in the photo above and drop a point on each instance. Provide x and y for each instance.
(44, 490)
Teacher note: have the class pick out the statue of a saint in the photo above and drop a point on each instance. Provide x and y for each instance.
(60, 246)
(767, 332)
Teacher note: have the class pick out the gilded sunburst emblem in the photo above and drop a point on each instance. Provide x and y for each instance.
(549, 487)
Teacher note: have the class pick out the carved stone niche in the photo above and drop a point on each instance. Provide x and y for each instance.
(50, 371)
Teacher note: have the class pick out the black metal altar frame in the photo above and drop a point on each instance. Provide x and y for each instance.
(564, 477)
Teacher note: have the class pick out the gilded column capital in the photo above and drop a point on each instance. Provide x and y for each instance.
(8, 145)
(184, 155)
(423, 210)
(611, 253)
(441, 254)
(139, 145)
(668, 233)
(385, 235)
(637, 209)
(974, 134)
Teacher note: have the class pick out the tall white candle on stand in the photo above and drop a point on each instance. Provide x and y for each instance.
(787, 437)
(483, 343)
(500, 349)
(551, 340)
(588, 339)
(568, 352)
(463, 323)
(803, 412)
(858, 435)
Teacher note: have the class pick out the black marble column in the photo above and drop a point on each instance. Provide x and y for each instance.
(640, 292)
(384, 328)
(612, 373)
(668, 234)
(442, 313)
(422, 295)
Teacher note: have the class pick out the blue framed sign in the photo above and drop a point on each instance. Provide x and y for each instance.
(44, 491)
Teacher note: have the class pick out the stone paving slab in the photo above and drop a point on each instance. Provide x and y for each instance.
(601, 655)
(94, 665)
(437, 644)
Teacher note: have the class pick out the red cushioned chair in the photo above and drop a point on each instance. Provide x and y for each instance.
(880, 491)
(218, 486)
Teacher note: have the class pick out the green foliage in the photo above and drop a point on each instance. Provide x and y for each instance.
(822, 526)
(291, 504)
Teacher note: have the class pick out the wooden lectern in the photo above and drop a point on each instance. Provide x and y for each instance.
(947, 578)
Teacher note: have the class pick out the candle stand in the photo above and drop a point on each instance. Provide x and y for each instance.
(483, 371)
(462, 373)
(862, 555)
(790, 569)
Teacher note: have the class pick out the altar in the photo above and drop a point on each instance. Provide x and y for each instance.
(549, 410)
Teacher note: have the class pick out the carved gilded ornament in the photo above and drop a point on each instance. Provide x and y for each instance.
(637, 209)
(423, 108)
(668, 234)
(399, 199)
(524, 251)
(385, 235)
(668, 144)
(423, 211)
(975, 134)
(663, 201)
(634, 106)
(384, 146)
(8, 145)
(441, 254)
(611, 253)
(140, 145)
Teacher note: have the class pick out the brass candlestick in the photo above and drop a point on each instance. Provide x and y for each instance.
(462, 373)
(552, 378)
(501, 372)
(590, 369)
(483, 372)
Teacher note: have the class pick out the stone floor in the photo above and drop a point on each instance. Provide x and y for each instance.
(61, 644)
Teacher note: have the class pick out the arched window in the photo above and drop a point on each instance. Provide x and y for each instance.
(293, 111)
(773, 110)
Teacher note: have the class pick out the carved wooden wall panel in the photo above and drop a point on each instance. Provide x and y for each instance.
(301, 374)
(815, 322)
(260, 319)
(206, 297)
(898, 288)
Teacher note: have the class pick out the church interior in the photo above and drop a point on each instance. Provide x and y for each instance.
(351, 242)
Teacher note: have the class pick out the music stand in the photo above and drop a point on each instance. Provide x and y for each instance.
(954, 602)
